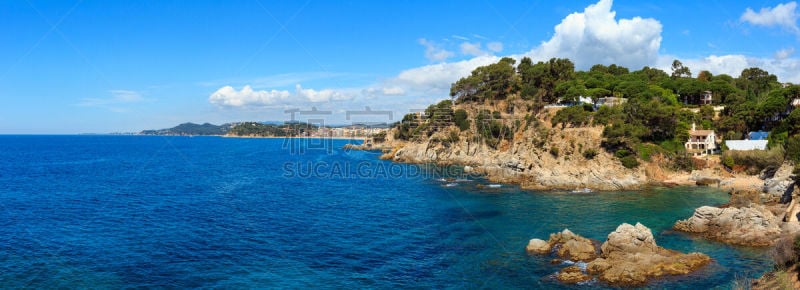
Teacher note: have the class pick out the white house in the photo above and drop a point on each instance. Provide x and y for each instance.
(744, 145)
(610, 101)
(701, 142)
(707, 98)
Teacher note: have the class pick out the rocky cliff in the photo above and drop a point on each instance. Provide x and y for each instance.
(539, 156)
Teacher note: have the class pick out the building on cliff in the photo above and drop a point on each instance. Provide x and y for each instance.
(610, 101)
(701, 142)
(744, 145)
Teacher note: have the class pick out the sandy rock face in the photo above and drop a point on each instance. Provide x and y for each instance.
(524, 163)
(793, 210)
(748, 226)
(629, 257)
(780, 185)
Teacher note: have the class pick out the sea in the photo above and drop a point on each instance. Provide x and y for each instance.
(94, 211)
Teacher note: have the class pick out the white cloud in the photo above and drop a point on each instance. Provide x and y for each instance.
(784, 53)
(117, 102)
(783, 15)
(373, 92)
(434, 52)
(321, 96)
(436, 78)
(595, 36)
(589, 37)
(723, 64)
(230, 97)
(393, 91)
(472, 49)
(125, 96)
(495, 46)
(787, 70)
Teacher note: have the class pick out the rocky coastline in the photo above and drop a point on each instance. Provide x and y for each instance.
(755, 217)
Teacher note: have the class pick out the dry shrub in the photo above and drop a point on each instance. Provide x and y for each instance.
(699, 164)
(744, 198)
(754, 161)
(784, 252)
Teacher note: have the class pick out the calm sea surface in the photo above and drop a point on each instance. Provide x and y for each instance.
(208, 212)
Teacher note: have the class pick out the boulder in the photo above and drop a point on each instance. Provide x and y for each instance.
(573, 247)
(572, 275)
(538, 246)
(793, 210)
(781, 183)
(707, 181)
(568, 245)
(630, 239)
(754, 226)
(631, 256)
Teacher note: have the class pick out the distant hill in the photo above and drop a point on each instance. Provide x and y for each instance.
(191, 129)
(271, 130)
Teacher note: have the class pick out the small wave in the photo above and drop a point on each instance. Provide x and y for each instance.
(580, 264)
(451, 184)
(494, 186)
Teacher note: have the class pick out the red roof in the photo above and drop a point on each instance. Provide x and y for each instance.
(701, 132)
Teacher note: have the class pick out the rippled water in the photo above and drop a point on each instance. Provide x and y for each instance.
(177, 212)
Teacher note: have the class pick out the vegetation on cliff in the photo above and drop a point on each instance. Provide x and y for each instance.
(642, 112)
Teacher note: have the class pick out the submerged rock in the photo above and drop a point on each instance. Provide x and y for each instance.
(572, 275)
(629, 257)
(748, 226)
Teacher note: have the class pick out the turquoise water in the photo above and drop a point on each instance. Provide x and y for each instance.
(179, 212)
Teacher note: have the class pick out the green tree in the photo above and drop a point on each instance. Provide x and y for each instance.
(755, 82)
(492, 82)
(704, 76)
(575, 116)
(680, 71)
(460, 117)
(539, 81)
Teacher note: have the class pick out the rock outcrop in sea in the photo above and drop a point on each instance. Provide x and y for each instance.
(567, 246)
(752, 217)
(754, 225)
(629, 257)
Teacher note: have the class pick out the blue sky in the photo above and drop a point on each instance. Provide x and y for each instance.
(123, 66)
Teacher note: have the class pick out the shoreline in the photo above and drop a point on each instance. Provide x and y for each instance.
(724, 181)
(293, 137)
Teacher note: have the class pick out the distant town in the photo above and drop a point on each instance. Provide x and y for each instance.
(273, 129)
